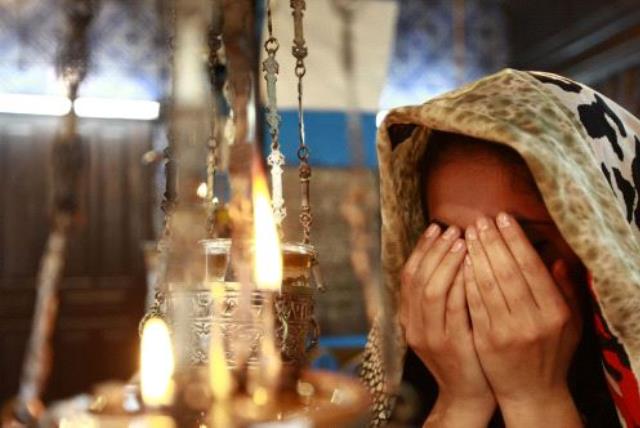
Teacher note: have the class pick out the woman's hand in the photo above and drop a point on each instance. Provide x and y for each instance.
(525, 331)
(433, 312)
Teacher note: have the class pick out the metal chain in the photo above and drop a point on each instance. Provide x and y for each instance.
(300, 51)
(169, 197)
(275, 159)
(156, 310)
(71, 66)
(72, 60)
(216, 81)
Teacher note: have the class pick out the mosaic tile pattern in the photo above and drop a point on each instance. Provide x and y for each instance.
(128, 55)
(423, 59)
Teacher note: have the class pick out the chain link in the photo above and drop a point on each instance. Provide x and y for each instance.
(276, 159)
(72, 62)
(169, 197)
(216, 80)
(300, 52)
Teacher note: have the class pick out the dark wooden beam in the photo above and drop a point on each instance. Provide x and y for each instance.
(599, 66)
(578, 39)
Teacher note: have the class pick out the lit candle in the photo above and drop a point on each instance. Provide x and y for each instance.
(268, 279)
(156, 364)
(156, 372)
(268, 256)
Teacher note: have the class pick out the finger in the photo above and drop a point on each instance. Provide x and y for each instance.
(436, 253)
(423, 245)
(505, 270)
(487, 285)
(429, 262)
(480, 319)
(543, 288)
(561, 275)
(434, 298)
(457, 315)
(407, 290)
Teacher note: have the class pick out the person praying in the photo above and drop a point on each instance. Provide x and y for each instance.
(511, 257)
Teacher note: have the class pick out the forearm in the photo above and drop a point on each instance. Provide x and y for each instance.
(554, 409)
(448, 413)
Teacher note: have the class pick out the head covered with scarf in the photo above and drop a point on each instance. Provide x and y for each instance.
(583, 151)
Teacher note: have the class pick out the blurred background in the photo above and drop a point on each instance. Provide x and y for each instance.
(404, 52)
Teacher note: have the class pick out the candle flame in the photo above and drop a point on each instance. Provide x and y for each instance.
(156, 364)
(268, 256)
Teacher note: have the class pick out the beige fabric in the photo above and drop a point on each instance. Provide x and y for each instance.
(516, 109)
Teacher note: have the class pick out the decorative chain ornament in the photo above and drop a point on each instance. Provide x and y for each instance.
(275, 159)
(169, 197)
(167, 13)
(71, 67)
(72, 60)
(216, 81)
(300, 51)
(238, 33)
(156, 310)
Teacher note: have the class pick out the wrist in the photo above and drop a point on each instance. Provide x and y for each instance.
(539, 409)
(452, 412)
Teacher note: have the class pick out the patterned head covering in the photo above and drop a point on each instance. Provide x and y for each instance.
(583, 151)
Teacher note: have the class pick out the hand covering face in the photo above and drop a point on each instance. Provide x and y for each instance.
(583, 152)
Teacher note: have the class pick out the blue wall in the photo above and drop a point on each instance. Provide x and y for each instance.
(326, 137)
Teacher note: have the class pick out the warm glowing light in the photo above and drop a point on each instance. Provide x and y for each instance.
(220, 378)
(105, 108)
(117, 109)
(78, 421)
(156, 364)
(268, 256)
(260, 396)
(45, 105)
(219, 374)
(202, 190)
(148, 421)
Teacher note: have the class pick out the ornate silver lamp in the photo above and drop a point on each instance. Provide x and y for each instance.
(252, 340)
(239, 308)
(297, 330)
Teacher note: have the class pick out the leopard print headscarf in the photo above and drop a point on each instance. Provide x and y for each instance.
(583, 151)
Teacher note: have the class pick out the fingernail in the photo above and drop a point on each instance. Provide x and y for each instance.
(503, 220)
(450, 233)
(483, 224)
(471, 233)
(431, 230)
(467, 260)
(457, 246)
